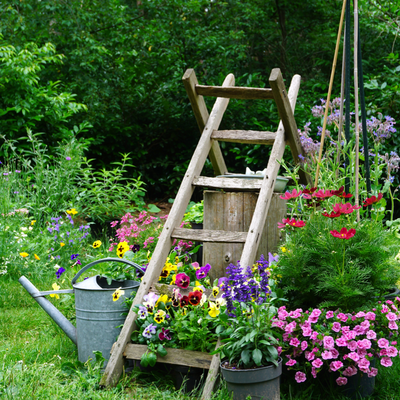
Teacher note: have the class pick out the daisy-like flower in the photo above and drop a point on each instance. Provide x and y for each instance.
(292, 195)
(344, 233)
(62, 244)
(96, 244)
(117, 294)
(72, 211)
(24, 254)
(373, 199)
(37, 257)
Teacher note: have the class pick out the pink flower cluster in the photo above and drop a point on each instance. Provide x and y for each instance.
(339, 342)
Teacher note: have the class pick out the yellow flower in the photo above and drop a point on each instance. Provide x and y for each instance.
(37, 257)
(173, 279)
(220, 302)
(283, 249)
(96, 244)
(215, 291)
(159, 317)
(163, 299)
(213, 310)
(176, 260)
(150, 48)
(117, 294)
(62, 244)
(72, 211)
(24, 254)
(198, 289)
(33, 222)
(122, 248)
(55, 287)
(148, 255)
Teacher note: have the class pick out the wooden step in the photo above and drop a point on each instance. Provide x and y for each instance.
(241, 184)
(235, 92)
(204, 235)
(253, 137)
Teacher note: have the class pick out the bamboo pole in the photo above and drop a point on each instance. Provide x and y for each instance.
(330, 90)
(357, 145)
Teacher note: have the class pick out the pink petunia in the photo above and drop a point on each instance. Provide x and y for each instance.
(336, 327)
(329, 314)
(371, 335)
(363, 363)
(304, 345)
(391, 316)
(352, 346)
(335, 365)
(294, 342)
(350, 371)
(364, 344)
(393, 325)
(392, 351)
(329, 342)
(326, 355)
(354, 356)
(370, 316)
(372, 372)
(341, 342)
(383, 343)
(290, 363)
(300, 377)
(317, 363)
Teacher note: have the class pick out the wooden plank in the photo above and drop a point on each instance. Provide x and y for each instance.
(188, 358)
(241, 184)
(212, 375)
(244, 93)
(286, 113)
(115, 364)
(205, 235)
(201, 113)
(253, 137)
(266, 191)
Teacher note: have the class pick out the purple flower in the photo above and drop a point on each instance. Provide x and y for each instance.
(60, 272)
(149, 331)
(73, 256)
(68, 158)
(164, 334)
(203, 271)
(17, 171)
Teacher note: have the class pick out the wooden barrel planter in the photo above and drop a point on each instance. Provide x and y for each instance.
(232, 211)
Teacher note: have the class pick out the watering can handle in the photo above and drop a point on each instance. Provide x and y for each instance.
(131, 263)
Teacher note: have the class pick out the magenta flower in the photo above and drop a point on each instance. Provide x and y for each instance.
(372, 372)
(68, 158)
(383, 343)
(329, 343)
(292, 195)
(391, 316)
(393, 325)
(386, 362)
(290, 363)
(164, 334)
(336, 327)
(341, 381)
(335, 365)
(350, 371)
(203, 271)
(346, 208)
(317, 363)
(300, 377)
(344, 233)
(182, 280)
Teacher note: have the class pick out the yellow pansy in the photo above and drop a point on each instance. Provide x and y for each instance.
(213, 310)
(37, 257)
(62, 244)
(24, 254)
(283, 249)
(122, 248)
(173, 278)
(55, 287)
(198, 289)
(72, 211)
(163, 299)
(96, 244)
(117, 294)
(33, 222)
(215, 291)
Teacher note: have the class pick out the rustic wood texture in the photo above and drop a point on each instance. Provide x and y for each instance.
(264, 199)
(228, 183)
(204, 235)
(115, 364)
(196, 359)
(201, 114)
(212, 375)
(244, 93)
(234, 210)
(252, 137)
(286, 113)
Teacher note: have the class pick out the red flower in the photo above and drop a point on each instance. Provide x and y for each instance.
(310, 191)
(344, 233)
(332, 214)
(195, 297)
(292, 195)
(184, 301)
(182, 280)
(321, 194)
(340, 193)
(346, 208)
(291, 222)
(373, 199)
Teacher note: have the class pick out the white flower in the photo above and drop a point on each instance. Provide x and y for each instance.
(23, 228)
(199, 320)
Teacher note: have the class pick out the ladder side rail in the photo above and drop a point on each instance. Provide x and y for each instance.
(267, 188)
(201, 113)
(286, 112)
(115, 364)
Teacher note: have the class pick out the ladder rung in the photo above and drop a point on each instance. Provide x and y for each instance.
(235, 92)
(254, 137)
(203, 235)
(228, 183)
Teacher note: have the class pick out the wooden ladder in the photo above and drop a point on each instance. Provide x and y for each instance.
(208, 146)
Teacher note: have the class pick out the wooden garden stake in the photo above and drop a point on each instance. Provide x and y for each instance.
(357, 150)
(330, 91)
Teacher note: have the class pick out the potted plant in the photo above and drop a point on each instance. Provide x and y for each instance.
(250, 361)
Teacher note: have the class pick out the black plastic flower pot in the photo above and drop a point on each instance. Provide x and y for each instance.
(187, 378)
(258, 383)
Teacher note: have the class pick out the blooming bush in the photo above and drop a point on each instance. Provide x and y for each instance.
(331, 260)
(339, 342)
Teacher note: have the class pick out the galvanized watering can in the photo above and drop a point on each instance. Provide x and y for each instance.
(97, 315)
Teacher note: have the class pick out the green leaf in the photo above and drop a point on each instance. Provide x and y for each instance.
(257, 356)
(245, 356)
(144, 362)
(152, 359)
(161, 350)
(153, 208)
(272, 350)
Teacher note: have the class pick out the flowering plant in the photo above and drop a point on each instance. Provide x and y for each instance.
(339, 342)
(179, 317)
(248, 338)
(329, 259)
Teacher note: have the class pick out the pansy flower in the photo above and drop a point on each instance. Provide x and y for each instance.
(164, 273)
(213, 309)
(60, 272)
(96, 244)
(164, 334)
(182, 280)
(117, 294)
(203, 271)
(184, 301)
(142, 313)
(159, 317)
(195, 297)
(55, 287)
(149, 331)
(215, 291)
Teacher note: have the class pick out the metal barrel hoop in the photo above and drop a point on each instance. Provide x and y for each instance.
(86, 267)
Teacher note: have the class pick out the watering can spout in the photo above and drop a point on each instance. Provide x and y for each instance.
(47, 306)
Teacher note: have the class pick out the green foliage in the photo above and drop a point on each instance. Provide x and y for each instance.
(195, 213)
(319, 270)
